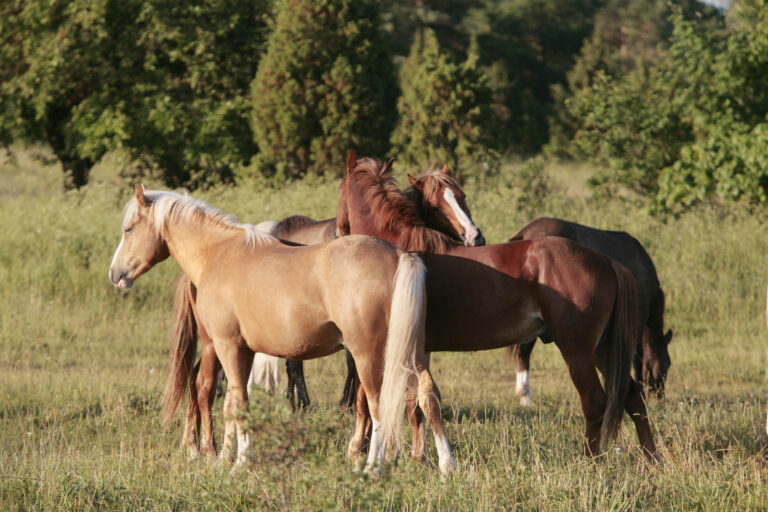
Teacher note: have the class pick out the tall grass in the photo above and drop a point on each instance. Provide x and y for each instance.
(83, 367)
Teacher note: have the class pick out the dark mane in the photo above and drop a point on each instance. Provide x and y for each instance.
(393, 211)
(291, 223)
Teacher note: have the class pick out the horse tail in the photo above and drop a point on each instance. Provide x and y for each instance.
(183, 347)
(617, 348)
(265, 372)
(405, 336)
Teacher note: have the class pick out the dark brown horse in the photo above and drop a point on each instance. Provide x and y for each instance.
(652, 360)
(493, 296)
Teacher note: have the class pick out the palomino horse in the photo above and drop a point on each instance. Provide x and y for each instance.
(652, 360)
(257, 294)
(447, 213)
(497, 295)
(198, 430)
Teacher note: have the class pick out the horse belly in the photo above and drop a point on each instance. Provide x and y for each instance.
(298, 341)
(480, 326)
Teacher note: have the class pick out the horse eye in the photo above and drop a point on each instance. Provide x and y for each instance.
(128, 230)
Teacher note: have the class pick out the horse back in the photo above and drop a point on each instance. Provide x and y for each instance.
(304, 230)
(618, 245)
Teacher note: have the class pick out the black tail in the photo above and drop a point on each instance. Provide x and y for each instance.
(617, 348)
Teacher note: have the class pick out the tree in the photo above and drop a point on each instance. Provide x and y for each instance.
(625, 35)
(326, 85)
(160, 82)
(690, 126)
(444, 108)
(528, 46)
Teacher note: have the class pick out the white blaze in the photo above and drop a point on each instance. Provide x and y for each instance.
(470, 231)
(114, 257)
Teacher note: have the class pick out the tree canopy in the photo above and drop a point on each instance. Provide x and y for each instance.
(326, 85)
(444, 111)
(160, 82)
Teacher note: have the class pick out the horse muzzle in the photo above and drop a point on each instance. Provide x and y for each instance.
(120, 279)
(473, 239)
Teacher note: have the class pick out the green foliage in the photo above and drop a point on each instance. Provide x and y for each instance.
(325, 86)
(444, 111)
(685, 127)
(529, 46)
(189, 117)
(624, 34)
(161, 82)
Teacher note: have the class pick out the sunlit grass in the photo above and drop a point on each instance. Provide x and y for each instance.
(83, 366)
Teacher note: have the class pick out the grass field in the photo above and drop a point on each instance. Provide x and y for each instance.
(83, 365)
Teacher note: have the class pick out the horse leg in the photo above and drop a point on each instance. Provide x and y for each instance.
(635, 407)
(429, 402)
(297, 386)
(522, 353)
(236, 359)
(192, 422)
(349, 393)
(641, 372)
(593, 398)
(362, 426)
(418, 432)
(206, 394)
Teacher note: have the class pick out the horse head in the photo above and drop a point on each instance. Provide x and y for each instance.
(141, 246)
(656, 363)
(442, 203)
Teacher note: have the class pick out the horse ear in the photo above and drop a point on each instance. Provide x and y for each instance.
(387, 165)
(446, 170)
(140, 194)
(351, 160)
(415, 183)
(668, 336)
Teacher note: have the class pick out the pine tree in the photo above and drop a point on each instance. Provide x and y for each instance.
(444, 109)
(326, 85)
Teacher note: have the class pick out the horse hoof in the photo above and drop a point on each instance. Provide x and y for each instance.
(527, 401)
(447, 467)
(374, 470)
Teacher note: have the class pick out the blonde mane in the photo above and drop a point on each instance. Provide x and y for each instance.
(165, 206)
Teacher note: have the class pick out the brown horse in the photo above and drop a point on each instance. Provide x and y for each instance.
(257, 294)
(652, 360)
(497, 295)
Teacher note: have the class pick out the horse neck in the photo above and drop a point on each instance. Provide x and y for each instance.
(190, 243)
(417, 238)
(402, 231)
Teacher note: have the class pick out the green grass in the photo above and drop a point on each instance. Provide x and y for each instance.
(83, 366)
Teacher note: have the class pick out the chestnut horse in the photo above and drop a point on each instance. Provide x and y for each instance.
(257, 294)
(497, 295)
(652, 360)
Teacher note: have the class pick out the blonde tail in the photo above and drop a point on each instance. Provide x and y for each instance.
(405, 338)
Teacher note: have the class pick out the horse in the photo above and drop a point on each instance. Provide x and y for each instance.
(203, 378)
(254, 293)
(652, 361)
(496, 295)
(447, 213)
